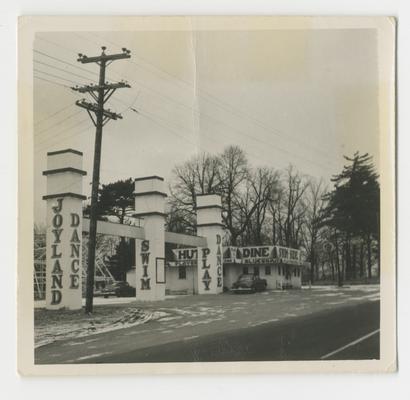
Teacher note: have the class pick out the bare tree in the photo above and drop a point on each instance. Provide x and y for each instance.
(199, 175)
(264, 184)
(313, 218)
(233, 174)
(287, 209)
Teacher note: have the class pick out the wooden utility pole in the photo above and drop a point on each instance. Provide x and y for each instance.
(99, 116)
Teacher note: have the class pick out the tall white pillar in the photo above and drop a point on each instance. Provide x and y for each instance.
(209, 225)
(64, 229)
(150, 196)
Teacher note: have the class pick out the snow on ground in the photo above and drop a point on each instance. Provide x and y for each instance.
(48, 333)
(96, 301)
(201, 314)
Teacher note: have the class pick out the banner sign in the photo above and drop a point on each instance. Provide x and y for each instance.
(270, 254)
(243, 255)
(232, 254)
(185, 257)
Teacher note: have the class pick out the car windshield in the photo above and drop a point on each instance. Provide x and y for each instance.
(245, 278)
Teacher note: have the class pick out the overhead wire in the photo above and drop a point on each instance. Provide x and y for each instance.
(64, 62)
(72, 127)
(228, 107)
(54, 114)
(63, 70)
(240, 132)
(58, 123)
(57, 134)
(49, 81)
(53, 76)
(212, 118)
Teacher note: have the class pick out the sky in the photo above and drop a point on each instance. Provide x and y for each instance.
(301, 97)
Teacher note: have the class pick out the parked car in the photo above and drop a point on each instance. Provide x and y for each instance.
(119, 289)
(249, 283)
(108, 290)
(124, 290)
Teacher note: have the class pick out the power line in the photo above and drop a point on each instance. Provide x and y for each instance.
(144, 114)
(54, 76)
(59, 45)
(47, 146)
(228, 107)
(54, 83)
(213, 118)
(64, 70)
(54, 114)
(58, 123)
(78, 133)
(186, 84)
(151, 117)
(64, 62)
(166, 127)
(128, 106)
(201, 114)
(61, 132)
(101, 116)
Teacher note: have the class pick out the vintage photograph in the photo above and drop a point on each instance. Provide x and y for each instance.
(210, 190)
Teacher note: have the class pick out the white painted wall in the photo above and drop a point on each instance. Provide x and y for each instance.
(131, 277)
(174, 284)
(232, 272)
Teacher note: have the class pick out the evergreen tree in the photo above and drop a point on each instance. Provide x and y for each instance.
(115, 199)
(354, 207)
(123, 259)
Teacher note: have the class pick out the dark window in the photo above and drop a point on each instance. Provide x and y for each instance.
(267, 270)
(223, 271)
(245, 270)
(181, 272)
(256, 271)
(279, 270)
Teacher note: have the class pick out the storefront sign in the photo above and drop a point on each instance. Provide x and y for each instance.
(185, 257)
(268, 254)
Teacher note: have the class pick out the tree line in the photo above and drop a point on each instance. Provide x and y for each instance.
(337, 227)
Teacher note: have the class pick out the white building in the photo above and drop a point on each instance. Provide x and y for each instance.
(281, 267)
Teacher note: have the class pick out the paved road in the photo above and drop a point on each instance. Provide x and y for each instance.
(307, 337)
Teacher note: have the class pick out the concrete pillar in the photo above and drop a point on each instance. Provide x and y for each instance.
(150, 196)
(64, 229)
(209, 225)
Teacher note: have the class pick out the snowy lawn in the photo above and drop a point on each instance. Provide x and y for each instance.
(57, 325)
(203, 314)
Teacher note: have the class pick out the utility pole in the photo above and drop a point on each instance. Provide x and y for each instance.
(99, 116)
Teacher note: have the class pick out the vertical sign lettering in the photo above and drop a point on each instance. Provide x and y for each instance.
(75, 244)
(206, 278)
(219, 261)
(57, 272)
(145, 280)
